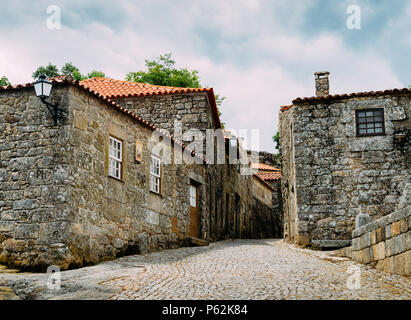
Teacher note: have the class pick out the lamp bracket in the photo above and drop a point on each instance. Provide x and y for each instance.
(53, 108)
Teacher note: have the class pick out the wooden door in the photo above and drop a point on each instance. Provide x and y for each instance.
(194, 217)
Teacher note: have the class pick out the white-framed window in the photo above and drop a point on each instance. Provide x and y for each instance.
(193, 196)
(155, 174)
(115, 158)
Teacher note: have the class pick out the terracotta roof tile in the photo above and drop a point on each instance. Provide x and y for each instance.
(262, 166)
(69, 80)
(111, 88)
(284, 108)
(269, 175)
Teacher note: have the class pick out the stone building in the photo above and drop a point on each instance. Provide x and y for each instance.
(105, 182)
(272, 176)
(193, 112)
(342, 155)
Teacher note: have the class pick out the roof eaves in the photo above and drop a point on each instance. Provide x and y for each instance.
(351, 95)
(264, 182)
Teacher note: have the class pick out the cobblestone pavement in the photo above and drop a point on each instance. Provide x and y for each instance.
(240, 269)
(260, 269)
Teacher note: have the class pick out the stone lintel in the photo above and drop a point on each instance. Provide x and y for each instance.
(331, 243)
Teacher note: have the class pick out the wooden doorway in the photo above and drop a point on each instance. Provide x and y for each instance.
(237, 216)
(194, 216)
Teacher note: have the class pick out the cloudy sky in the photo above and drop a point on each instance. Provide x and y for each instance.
(260, 54)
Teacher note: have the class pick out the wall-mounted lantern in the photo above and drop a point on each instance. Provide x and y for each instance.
(43, 90)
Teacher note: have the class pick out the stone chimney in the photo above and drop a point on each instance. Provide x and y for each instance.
(322, 86)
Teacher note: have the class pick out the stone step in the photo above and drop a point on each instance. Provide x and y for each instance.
(9, 270)
(8, 294)
(198, 242)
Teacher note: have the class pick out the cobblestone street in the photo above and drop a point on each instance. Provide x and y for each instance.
(241, 269)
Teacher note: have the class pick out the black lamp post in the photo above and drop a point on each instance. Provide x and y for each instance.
(43, 90)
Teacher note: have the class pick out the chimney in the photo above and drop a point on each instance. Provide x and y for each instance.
(322, 86)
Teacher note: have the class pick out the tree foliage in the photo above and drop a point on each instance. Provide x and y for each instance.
(50, 71)
(67, 69)
(276, 139)
(95, 73)
(162, 72)
(4, 81)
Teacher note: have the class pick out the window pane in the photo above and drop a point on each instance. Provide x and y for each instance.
(193, 196)
(155, 184)
(370, 122)
(155, 166)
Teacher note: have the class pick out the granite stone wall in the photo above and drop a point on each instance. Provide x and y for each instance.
(385, 243)
(131, 217)
(334, 173)
(232, 210)
(58, 204)
(288, 181)
(191, 110)
(35, 190)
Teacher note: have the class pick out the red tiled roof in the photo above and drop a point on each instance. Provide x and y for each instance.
(68, 80)
(269, 175)
(285, 108)
(347, 96)
(111, 88)
(262, 166)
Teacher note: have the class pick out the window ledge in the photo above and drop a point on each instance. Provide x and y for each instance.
(371, 135)
(156, 193)
(117, 179)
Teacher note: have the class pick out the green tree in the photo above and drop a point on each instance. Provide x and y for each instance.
(4, 81)
(162, 72)
(50, 71)
(96, 73)
(69, 69)
(276, 139)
